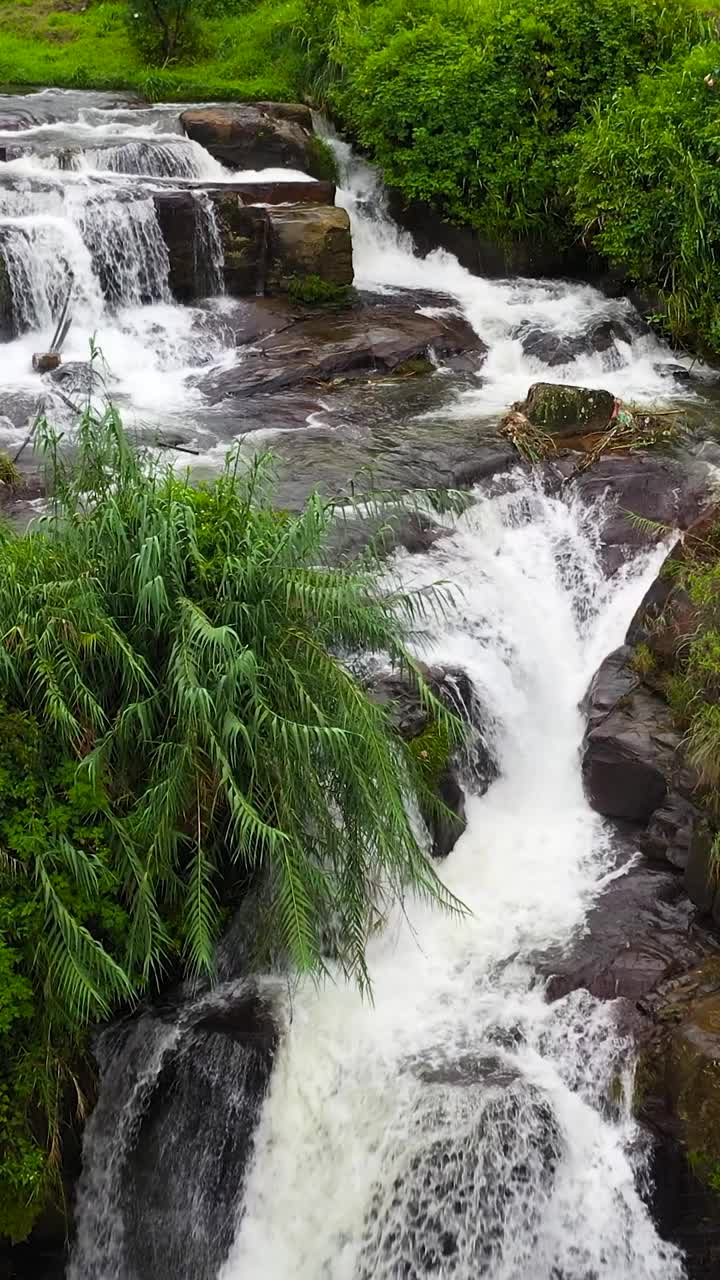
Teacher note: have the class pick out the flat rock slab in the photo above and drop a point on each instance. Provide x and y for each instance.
(321, 348)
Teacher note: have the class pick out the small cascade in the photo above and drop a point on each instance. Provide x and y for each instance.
(128, 250)
(208, 1056)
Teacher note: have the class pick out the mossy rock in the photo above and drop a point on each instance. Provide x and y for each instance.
(568, 411)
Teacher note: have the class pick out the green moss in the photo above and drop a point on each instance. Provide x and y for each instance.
(643, 660)
(313, 291)
(9, 475)
(323, 164)
(431, 750)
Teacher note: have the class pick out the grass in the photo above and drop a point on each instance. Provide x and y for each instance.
(246, 56)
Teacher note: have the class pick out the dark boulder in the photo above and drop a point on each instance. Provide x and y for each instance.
(555, 349)
(183, 218)
(323, 346)
(562, 411)
(631, 749)
(678, 1094)
(637, 934)
(255, 135)
(182, 1087)
(244, 233)
(668, 492)
(411, 719)
(8, 319)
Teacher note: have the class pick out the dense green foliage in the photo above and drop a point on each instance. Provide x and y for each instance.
(468, 105)
(544, 121)
(177, 724)
(646, 187)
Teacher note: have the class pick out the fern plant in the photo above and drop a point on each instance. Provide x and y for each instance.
(187, 648)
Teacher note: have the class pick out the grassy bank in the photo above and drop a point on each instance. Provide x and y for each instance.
(247, 51)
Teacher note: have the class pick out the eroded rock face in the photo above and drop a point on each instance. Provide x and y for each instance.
(260, 135)
(310, 241)
(244, 233)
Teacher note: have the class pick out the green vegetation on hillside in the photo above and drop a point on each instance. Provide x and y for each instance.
(245, 51)
(469, 105)
(176, 726)
(645, 181)
(548, 121)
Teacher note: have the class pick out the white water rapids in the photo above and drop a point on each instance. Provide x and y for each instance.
(459, 1127)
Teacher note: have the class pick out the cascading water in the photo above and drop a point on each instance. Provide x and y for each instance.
(460, 1126)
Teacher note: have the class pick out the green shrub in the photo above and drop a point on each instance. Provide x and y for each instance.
(164, 30)
(646, 190)
(316, 292)
(176, 721)
(468, 105)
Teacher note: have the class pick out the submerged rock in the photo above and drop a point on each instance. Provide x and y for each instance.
(555, 349)
(349, 341)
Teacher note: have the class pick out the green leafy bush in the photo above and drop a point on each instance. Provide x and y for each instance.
(176, 722)
(646, 189)
(468, 105)
(164, 30)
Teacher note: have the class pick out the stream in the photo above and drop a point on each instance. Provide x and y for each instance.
(458, 1126)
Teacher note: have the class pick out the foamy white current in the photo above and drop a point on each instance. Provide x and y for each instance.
(460, 1126)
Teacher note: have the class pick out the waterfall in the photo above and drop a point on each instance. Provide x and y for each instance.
(504, 312)
(460, 1126)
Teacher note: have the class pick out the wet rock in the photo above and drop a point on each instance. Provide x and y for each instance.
(182, 222)
(46, 361)
(555, 349)
(317, 192)
(410, 719)
(678, 1091)
(76, 379)
(8, 322)
(309, 240)
(255, 136)
(413, 531)
(320, 348)
(245, 236)
(701, 880)
(670, 491)
(631, 749)
(666, 616)
(160, 1072)
(567, 411)
(637, 935)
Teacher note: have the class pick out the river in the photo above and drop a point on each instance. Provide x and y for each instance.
(457, 1126)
